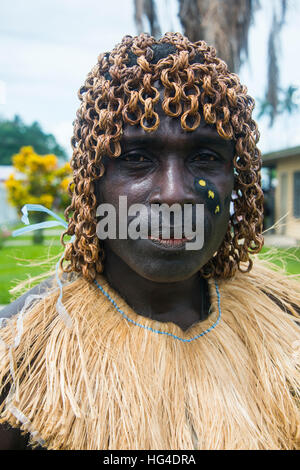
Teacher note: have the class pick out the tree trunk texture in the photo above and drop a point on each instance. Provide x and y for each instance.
(146, 8)
(223, 24)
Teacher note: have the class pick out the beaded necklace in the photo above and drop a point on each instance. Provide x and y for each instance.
(184, 340)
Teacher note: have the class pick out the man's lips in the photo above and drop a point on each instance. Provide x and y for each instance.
(169, 242)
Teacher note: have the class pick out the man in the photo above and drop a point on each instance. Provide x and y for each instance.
(160, 346)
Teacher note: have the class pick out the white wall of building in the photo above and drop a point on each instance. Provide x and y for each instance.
(8, 213)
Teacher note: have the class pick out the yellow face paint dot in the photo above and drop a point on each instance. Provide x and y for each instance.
(202, 183)
(211, 194)
(217, 209)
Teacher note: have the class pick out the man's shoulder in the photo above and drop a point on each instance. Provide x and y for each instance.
(16, 306)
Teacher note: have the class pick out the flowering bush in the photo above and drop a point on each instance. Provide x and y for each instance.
(39, 181)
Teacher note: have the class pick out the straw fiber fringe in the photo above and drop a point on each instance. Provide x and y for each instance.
(108, 384)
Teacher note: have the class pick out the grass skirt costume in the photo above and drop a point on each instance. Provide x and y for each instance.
(103, 382)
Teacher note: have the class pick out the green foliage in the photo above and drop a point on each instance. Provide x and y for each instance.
(15, 134)
(288, 102)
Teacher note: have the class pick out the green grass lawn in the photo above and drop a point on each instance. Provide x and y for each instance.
(14, 265)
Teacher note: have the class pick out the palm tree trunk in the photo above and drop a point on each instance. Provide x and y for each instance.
(146, 8)
(223, 24)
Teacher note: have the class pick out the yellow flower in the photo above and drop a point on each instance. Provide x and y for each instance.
(41, 177)
(46, 200)
(20, 160)
(10, 182)
(50, 162)
(27, 150)
(17, 192)
(33, 162)
(32, 200)
(64, 184)
(64, 171)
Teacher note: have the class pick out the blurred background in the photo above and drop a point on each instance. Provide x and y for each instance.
(48, 47)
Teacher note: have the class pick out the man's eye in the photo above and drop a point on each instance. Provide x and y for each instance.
(135, 158)
(205, 157)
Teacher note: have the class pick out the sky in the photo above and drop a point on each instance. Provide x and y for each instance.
(47, 47)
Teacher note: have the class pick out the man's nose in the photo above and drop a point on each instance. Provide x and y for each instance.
(173, 185)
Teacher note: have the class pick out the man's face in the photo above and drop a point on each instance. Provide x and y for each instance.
(162, 167)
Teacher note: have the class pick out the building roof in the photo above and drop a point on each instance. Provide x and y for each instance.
(269, 159)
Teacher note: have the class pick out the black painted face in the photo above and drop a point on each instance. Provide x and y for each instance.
(170, 166)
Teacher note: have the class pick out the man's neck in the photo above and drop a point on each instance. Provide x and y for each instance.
(183, 302)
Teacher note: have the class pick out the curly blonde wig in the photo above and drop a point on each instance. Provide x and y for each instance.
(121, 89)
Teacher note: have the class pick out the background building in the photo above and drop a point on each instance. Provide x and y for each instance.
(283, 198)
(8, 213)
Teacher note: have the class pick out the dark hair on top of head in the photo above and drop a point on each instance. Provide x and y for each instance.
(153, 55)
(121, 89)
